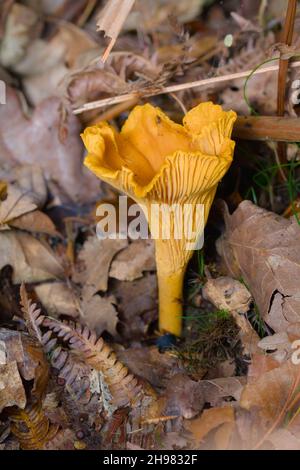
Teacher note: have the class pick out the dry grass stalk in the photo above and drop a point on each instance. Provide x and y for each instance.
(173, 88)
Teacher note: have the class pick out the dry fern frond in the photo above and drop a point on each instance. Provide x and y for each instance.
(32, 428)
(123, 387)
(33, 344)
(32, 315)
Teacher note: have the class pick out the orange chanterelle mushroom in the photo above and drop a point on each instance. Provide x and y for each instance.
(158, 162)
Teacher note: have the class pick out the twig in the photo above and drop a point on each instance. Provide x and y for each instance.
(283, 63)
(273, 128)
(173, 88)
(287, 38)
(114, 111)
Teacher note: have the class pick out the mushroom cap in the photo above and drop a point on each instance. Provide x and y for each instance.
(157, 159)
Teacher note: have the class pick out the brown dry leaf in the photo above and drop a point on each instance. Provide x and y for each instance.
(183, 397)
(31, 260)
(69, 49)
(35, 221)
(99, 313)
(149, 364)
(283, 439)
(69, 43)
(216, 391)
(11, 387)
(37, 141)
(268, 394)
(31, 180)
(223, 436)
(22, 25)
(263, 248)
(137, 304)
(209, 420)
(130, 264)
(58, 299)
(154, 15)
(90, 85)
(279, 345)
(96, 256)
(16, 204)
(12, 346)
(259, 366)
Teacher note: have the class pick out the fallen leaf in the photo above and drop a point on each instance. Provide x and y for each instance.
(12, 392)
(279, 345)
(263, 248)
(60, 55)
(36, 222)
(183, 397)
(58, 299)
(216, 391)
(31, 260)
(13, 345)
(16, 204)
(31, 180)
(24, 140)
(133, 261)
(269, 392)
(259, 366)
(283, 439)
(137, 304)
(155, 15)
(99, 314)
(209, 420)
(22, 25)
(97, 255)
(149, 364)
(223, 436)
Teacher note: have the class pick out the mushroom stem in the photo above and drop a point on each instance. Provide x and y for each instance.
(170, 301)
(171, 269)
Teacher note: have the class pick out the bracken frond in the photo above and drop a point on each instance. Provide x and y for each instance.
(123, 387)
(32, 428)
(32, 315)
